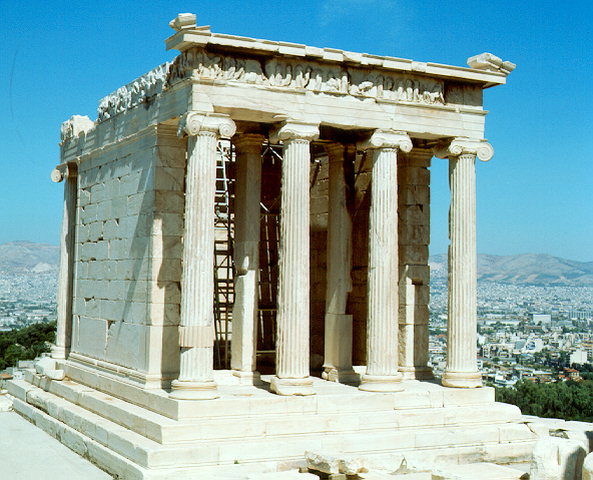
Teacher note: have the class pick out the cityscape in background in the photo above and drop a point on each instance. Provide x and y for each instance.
(534, 323)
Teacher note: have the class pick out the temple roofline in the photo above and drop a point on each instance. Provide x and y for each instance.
(190, 36)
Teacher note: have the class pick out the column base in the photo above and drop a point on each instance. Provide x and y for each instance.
(247, 378)
(381, 383)
(182, 390)
(346, 376)
(462, 379)
(292, 386)
(59, 353)
(417, 373)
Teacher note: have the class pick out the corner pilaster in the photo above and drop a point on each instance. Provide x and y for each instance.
(68, 173)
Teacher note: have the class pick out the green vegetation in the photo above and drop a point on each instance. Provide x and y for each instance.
(567, 400)
(25, 343)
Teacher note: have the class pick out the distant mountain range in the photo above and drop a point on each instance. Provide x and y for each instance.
(28, 257)
(526, 269)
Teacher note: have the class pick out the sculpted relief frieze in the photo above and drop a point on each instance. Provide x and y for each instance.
(140, 91)
(277, 73)
(308, 75)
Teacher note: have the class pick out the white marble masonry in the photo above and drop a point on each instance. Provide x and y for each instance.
(140, 276)
(292, 339)
(337, 365)
(246, 252)
(382, 373)
(414, 271)
(461, 369)
(196, 332)
(66, 272)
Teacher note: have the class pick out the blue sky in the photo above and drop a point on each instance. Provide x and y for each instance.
(536, 195)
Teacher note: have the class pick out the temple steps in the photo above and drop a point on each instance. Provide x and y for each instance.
(151, 444)
(280, 417)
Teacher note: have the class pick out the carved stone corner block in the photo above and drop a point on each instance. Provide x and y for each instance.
(387, 139)
(183, 21)
(464, 146)
(292, 130)
(490, 62)
(74, 126)
(192, 123)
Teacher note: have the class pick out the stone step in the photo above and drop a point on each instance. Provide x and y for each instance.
(103, 441)
(240, 400)
(276, 421)
(483, 471)
(208, 451)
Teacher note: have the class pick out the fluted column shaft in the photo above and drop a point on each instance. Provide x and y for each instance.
(246, 255)
(292, 339)
(461, 369)
(461, 335)
(196, 332)
(337, 364)
(65, 276)
(382, 320)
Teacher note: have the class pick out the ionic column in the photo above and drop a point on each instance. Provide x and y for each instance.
(292, 339)
(382, 321)
(337, 364)
(196, 332)
(414, 272)
(67, 172)
(461, 369)
(246, 256)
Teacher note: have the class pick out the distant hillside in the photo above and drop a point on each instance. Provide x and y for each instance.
(28, 257)
(526, 269)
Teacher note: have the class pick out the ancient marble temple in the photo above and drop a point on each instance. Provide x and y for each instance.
(322, 158)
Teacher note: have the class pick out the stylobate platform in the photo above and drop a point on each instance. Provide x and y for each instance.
(248, 429)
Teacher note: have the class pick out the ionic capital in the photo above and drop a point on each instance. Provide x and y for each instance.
(387, 139)
(248, 142)
(292, 130)
(464, 146)
(192, 123)
(64, 170)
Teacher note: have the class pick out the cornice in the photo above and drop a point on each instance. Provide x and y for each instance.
(201, 36)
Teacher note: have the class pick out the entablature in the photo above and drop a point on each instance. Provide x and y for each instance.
(189, 36)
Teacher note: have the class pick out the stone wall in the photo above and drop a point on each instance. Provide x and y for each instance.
(359, 176)
(414, 272)
(357, 303)
(414, 239)
(319, 203)
(128, 253)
